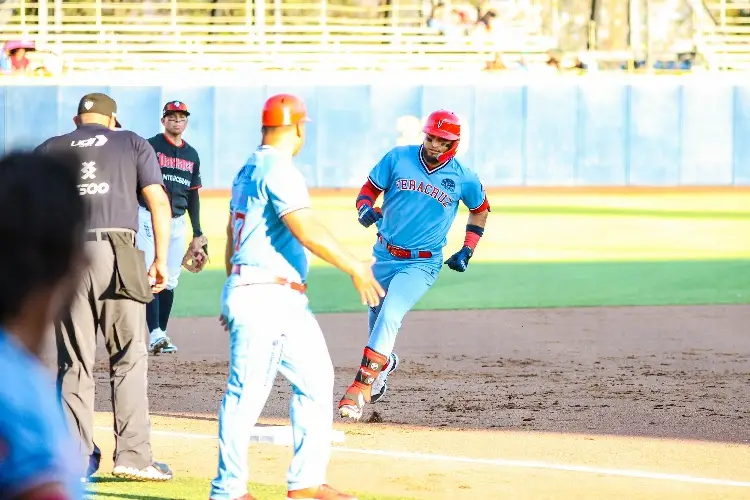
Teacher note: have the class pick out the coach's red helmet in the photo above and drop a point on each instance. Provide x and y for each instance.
(284, 109)
(446, 125)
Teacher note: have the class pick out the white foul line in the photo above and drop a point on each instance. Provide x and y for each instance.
(499, 462)
(533, 464)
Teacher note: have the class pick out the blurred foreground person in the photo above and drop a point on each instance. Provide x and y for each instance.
(43, 223)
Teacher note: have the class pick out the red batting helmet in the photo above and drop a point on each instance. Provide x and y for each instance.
(446, 125)
(283, 110)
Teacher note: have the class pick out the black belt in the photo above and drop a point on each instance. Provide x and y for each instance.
(97, 237)
(174, 215)
(101, 236)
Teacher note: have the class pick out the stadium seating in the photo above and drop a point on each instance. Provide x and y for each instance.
(728, 36)
(110, 35)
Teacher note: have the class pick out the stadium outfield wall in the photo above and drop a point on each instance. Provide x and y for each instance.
(519, 130)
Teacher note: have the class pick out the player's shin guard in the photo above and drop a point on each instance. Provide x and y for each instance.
(360, 391)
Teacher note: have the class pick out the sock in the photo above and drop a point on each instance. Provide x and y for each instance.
(165, 307)
(152, 313)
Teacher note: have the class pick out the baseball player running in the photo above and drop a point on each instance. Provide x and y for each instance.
(180, 166)
(265, 309)
(422, 186)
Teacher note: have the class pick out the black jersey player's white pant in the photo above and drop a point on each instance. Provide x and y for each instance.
(159, 341)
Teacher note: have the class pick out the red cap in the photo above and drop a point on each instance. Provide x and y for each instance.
(174, 107)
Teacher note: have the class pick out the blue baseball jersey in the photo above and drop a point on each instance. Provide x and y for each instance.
(419, 207)
(268, 187)
(35, 445)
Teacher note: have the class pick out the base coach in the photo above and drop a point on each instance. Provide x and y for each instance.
(115, 166)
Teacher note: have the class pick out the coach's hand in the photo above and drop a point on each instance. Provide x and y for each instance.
(368, 287)
(368, 216)
(459, 261)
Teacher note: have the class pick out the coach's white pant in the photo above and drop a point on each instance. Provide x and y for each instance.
(177, 245)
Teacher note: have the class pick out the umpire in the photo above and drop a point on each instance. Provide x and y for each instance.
(115, 166)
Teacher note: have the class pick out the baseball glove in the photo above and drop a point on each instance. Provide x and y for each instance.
(196, 257)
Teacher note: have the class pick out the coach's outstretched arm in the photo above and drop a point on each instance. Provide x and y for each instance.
(315, 237)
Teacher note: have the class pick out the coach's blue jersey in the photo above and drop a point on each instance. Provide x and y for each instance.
(35, 444)
(268, 187)
(420, 207)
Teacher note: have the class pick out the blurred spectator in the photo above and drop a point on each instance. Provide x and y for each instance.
(447, 22)
(14, 58)
(499, 63)
(41, 71)
(496, 63)
(554, 57)
(486, 13)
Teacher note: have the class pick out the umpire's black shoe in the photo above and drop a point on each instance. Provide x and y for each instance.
(157, 471)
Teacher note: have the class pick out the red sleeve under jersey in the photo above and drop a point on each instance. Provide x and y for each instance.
(481, 208)
(368, 194)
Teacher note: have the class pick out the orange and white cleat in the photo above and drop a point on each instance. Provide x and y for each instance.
(322, 492)
(353, 403)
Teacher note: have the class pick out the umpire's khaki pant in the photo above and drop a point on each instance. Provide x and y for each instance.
(123, 324)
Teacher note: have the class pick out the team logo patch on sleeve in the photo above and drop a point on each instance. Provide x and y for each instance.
(448, 184)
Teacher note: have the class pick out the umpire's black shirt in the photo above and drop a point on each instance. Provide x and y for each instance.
(180, 166)
(116, 165)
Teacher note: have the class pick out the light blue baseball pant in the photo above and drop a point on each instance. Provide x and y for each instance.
(272, 330)
(405, 281)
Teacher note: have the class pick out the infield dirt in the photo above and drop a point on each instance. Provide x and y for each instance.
(657, 389)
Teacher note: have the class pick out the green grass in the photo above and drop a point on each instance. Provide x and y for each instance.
(543, 251)
(517, 285)
(108, 487)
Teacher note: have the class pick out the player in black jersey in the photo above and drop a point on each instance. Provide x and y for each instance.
(180, 167)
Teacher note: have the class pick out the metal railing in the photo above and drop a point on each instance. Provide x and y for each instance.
(259, 34)
(728, 38)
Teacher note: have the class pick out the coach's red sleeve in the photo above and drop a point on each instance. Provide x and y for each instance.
(368, 194)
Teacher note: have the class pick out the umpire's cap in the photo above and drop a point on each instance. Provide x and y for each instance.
(100, 104)
(282, 110)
